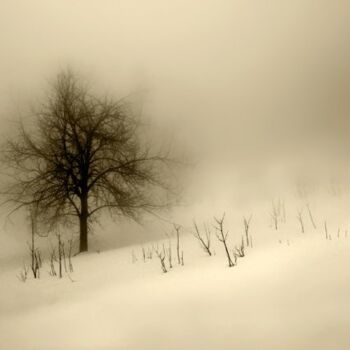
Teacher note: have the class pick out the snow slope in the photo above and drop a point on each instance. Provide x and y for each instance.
(289, 293)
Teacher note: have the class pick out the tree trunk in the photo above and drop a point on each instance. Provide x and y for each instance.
(83, 246)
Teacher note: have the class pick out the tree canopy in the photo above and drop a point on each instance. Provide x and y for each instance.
(84, 154)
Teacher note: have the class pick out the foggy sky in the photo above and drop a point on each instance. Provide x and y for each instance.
(245, 85)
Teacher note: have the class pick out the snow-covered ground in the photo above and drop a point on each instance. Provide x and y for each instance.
(290, 291)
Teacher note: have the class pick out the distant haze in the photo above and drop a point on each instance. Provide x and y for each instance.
(247, 86)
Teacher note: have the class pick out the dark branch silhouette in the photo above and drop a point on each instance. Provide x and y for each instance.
(83, 155)
(222, 237)
(204, 241)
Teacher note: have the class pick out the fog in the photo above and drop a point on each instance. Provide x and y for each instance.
(256, 91)
(254, 96)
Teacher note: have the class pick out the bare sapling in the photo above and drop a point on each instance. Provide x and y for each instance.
(311, 216)
(143, 254)
(177, 230)
(240, 250)
(149, 253)
(222, 237)
(32, 245)
(37, 257)
(70, 250)
(301, 222)
(161, 257)
(35, 262)
(235, 257)
(34, 252)
(326, 229)
(246, 223)
(52, 262)
(23, 274)
(275, 214)
(170, 256)
(64, 257)
(60, 255)
(204, 240)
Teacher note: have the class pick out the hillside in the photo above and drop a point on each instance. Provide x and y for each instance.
(290, 291)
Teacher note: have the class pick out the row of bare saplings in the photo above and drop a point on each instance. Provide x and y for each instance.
(60, 257)
(222, 235)
(278, 215)
(165, 252)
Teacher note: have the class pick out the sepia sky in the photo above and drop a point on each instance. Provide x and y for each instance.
(245, 85)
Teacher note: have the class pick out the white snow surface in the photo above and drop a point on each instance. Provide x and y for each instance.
(290, 291)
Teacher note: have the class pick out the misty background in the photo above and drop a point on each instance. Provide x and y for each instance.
(257, 92)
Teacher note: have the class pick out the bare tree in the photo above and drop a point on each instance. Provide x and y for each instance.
(328, 236)
(177, 230)
(52, 262)
(34, 252)
(32, 244)
(143, 253)
(278, 212)
(149, 253)
(37, 263)
(64, 257)
(240, 250)
(84, 154)
(222, 237)
(60, 254)
(275, 213)
(161, 256)
(300, 218)
(311, 216)
(23, 274)
(170, 256)
(70, 249)
(205, 240)
(246, 223)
